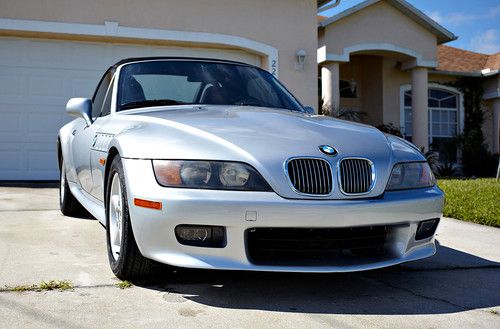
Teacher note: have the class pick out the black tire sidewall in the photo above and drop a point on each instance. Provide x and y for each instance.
(118, 265)
(68, 205)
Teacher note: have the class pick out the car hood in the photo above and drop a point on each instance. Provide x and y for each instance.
(262, 137)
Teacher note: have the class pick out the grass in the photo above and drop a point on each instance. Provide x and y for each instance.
(473, 200)
(43, 286)
(124, 284)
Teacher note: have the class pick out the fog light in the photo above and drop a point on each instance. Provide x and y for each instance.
(426, 229)
(201, 235)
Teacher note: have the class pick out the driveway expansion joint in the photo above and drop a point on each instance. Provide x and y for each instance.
(419, 295)
(9, 289)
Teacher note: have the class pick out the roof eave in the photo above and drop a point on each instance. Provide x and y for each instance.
(442, 34)
(479, 74)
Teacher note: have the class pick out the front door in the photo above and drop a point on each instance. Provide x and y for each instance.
(85, 136)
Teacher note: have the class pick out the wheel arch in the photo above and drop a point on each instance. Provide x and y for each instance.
(112, 153)
(59, 152)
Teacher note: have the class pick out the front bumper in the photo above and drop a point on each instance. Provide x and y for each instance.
(240, 211)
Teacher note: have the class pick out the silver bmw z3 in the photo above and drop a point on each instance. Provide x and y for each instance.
(213, 164)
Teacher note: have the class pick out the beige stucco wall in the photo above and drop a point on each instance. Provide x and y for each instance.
(366, 71)
(353, 70)
(288, 25)
(379, 23)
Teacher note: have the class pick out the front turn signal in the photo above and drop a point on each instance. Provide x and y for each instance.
(147, 204)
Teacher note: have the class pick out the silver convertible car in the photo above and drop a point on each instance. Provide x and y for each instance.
(213, 164)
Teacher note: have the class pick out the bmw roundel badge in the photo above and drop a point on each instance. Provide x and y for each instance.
(328, 150)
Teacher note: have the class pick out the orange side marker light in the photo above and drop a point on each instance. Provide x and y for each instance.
(102, 161)
(147, 204)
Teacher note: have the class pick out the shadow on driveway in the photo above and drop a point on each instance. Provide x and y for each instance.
(433, 286)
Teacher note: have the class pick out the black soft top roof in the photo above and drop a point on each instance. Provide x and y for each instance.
(141, 59)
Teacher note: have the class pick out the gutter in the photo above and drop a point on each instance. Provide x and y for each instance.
(327, 6)
(480, 74)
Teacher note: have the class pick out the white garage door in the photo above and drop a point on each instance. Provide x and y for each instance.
(37, 77)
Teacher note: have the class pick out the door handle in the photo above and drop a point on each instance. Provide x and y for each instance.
(73, 132)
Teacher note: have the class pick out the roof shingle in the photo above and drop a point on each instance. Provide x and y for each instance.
(453, 59)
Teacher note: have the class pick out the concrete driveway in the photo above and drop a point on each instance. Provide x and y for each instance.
(459, 287)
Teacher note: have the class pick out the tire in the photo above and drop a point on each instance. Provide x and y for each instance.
(125, 259)
(68, 204)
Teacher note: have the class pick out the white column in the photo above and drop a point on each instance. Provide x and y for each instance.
(420, 111)
(496, 126)
(330, 86)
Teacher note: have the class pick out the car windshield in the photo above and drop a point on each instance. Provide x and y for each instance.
(168, 82)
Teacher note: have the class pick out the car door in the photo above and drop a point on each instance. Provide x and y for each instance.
(84, 136)
(99, 148)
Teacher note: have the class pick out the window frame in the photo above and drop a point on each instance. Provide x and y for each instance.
(101, 81)
(111, 97)
(280, 85)
(433, 86)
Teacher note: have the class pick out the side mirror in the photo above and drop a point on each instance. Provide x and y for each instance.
(309, 110)
(80, 107)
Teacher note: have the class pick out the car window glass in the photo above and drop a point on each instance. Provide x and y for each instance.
(100, 93)
(156, 86)
(261, 90)
(163, 83)
(106, 107)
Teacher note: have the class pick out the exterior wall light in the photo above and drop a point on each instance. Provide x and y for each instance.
(301, 58)
(353, 85)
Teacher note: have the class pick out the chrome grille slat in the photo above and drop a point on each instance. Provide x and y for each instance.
(311, 176)
(315, 178)
(320, 177)
(355, 175)
(302, 176)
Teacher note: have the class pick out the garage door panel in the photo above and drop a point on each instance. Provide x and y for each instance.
(42, 161)
(37, 77)
(129, 51)
(13, 127)
(11, 160)
(38, 123)
(84, 87)
(33, 161)
(46, 86)
(47, 53)
(14, 160)
(93, 56)
(13, 51)
(10, 123)
(11, 85)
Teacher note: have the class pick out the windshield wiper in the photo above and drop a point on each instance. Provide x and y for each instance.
(150, 102)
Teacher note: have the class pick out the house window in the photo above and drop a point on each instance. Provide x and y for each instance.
(443, 122)
(347, 89)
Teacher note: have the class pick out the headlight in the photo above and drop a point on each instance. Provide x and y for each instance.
(411, 175)
(215, 175)
(234, 174)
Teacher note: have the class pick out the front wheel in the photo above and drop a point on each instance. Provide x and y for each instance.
(125, 259)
